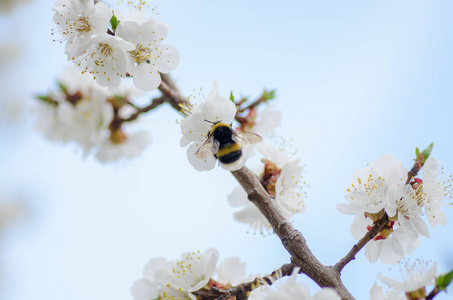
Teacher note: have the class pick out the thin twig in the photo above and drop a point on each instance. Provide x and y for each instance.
(252, 105)
(361, 243)
(170, 94)
(433, 293)
(418, 164)
(155, 103)
(240, 102)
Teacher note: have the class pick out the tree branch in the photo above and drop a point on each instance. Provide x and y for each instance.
(293, 240)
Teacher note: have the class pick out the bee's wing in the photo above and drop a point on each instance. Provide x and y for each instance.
(245, 138)
(209, 148)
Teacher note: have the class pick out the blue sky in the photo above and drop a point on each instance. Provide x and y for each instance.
(355, 80)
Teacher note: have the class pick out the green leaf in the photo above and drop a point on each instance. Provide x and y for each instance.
(268, 95)
(231, 96)
(42, 98)
(427, 151)
(444, 280)
(63, 87)
(115, 22)
(47, 100)
(417, 152)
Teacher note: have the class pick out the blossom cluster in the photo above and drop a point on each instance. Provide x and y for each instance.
(197, 272)
(110, 46)
(81, 111)
(383, 189)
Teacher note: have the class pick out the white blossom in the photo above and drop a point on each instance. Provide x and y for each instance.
(74, 81)
(434, 191)
(196, 126)
(231, 270)
(150, 57)
(47, 122)
(86, 122)
(369, 186)
(249, 213)
(105, 59)
(378, 189)
(193, 270)
(132, 147)
(417, 277)
(78, 20)
(176, 279)
(80, 114)
(267, 121)
(404, 201)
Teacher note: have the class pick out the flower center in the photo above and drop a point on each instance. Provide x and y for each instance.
(105, 50)
(81, 25)
(141, 54)
(187, 270)
(270, 176)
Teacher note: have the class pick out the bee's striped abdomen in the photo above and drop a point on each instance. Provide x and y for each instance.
(229, 153)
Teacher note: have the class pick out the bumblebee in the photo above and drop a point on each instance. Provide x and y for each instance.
(225, 144)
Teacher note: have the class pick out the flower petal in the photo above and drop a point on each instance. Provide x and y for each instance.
(373, 250)
(200, 165)
(349, 209)
(359, 226)
(392, 251)
(146, 77)
(231, 270)
(195, 128)
(217, 108)
(166, 58)
(420, 226)
(144, 290)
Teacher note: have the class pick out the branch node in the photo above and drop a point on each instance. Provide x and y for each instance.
(288, 238)
(282, 224)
